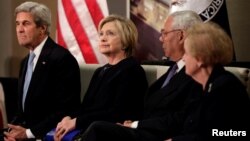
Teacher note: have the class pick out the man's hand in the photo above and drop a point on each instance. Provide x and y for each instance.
(8, 137)
(126, 123)
(16, 132)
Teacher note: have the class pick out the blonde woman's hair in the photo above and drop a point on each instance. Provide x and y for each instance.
(209, 42)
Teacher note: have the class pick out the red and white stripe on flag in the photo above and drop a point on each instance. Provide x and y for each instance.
(77, 24)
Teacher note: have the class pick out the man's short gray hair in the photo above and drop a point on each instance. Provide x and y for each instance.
(40, 12)
(184, 19)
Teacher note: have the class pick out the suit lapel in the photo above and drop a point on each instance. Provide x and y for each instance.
(175, 82)
(158, 96)
(41, 64)
(156, 86)
(22, 78)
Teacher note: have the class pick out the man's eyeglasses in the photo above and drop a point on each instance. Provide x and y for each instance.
(165, 33)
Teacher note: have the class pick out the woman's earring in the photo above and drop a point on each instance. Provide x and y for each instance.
(124, 48)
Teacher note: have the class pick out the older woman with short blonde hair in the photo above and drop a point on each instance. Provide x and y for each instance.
(207, 49)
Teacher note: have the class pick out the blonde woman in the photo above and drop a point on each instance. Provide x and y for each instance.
(224, 107)
(117, 89)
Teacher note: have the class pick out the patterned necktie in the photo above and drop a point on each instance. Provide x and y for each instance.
(28, 76)
(170, 74)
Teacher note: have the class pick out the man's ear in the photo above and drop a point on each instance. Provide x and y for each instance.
(181, 36)
(43, 29)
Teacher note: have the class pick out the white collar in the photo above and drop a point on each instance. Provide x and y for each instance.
(180, 64)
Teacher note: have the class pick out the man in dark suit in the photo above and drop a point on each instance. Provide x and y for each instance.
(168, 100)
(54, 88)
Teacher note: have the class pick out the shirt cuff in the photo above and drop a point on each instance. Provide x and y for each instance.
(134, 124)
(29, 134)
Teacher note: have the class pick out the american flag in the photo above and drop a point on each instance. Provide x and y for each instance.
(77, 24)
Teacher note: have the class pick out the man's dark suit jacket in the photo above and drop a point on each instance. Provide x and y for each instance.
(54, 90)
(115, 94)
(167, 107)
